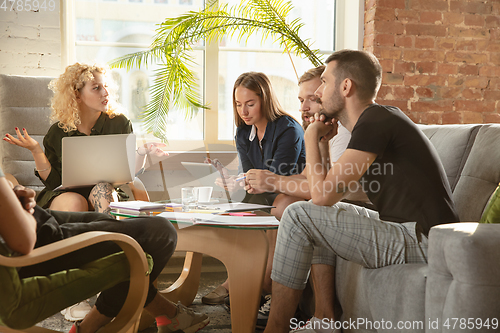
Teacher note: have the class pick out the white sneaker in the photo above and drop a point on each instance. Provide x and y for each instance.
(77, 311)
(185, 321)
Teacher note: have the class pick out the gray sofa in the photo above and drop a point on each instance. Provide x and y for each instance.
(24, 102)
(462, 278)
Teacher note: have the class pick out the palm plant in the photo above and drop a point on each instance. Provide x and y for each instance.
(175, 83)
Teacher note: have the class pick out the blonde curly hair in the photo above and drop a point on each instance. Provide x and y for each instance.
(64, 102)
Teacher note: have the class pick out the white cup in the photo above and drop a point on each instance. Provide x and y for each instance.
(203, 193)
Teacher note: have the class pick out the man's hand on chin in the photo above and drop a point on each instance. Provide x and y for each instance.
(321, 128)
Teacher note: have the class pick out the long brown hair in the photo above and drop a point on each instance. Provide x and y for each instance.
(259, 83)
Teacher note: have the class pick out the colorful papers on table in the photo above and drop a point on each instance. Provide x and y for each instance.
(237, 207)
(139, 206)
(221, 220)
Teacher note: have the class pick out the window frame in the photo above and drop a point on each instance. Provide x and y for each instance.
(348, 32)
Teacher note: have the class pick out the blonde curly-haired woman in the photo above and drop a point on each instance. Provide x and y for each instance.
(81, 105)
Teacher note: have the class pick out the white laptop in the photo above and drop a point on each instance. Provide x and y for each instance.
(205, 173)
(88, 160)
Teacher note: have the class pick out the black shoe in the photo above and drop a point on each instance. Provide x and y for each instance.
(227, 304)
(263, 314)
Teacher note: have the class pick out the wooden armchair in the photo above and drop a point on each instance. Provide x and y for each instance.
(28, 301)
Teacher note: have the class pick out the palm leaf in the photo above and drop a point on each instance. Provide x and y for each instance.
(175, 84)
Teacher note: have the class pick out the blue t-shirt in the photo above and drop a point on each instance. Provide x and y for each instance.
(283, 149)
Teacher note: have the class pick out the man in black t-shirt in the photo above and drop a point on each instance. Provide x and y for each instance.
(397, 167)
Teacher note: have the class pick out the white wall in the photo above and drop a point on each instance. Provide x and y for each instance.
(30, 41)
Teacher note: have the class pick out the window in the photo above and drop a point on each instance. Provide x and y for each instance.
(107, 29)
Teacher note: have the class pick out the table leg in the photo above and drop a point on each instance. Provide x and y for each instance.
(184, 289)
(244, 253)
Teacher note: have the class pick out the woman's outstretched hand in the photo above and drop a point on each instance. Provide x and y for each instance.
(22, 140)
(153, 148)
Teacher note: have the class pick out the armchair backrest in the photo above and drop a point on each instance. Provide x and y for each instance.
(24, 102)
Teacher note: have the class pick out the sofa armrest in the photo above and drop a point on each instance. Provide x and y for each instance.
(464, 278)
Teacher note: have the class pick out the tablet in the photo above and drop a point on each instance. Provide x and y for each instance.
(205, 173)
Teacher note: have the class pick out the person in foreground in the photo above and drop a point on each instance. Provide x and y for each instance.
(82, 105)
(398, 169)
(24, 226)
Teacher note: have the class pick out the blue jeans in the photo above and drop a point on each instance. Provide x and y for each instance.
(156, 235)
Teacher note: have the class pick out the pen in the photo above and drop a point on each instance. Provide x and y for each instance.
(241, 178)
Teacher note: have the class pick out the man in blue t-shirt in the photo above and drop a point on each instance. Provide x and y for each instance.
(397, 167)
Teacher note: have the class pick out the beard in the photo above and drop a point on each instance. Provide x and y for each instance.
(334, 107)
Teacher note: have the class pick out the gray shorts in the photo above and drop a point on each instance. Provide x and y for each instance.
(311, 234)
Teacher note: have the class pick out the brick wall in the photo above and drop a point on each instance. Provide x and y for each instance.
(441, 58)
(30, 41)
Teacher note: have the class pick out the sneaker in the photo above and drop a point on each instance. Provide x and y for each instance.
(227, 303)
(77, 311)
(216, 296)
(263, 314)
(186, 321)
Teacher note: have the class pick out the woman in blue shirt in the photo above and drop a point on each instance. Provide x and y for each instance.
(266, 138)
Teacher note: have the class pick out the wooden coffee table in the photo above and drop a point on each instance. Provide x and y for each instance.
(242, 250)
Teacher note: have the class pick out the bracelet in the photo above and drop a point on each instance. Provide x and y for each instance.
(41, 170)
(137, 150)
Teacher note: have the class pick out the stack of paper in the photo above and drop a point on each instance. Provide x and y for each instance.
(137, 206)
(227, 220)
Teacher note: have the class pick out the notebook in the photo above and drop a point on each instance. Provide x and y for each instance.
(88, 160)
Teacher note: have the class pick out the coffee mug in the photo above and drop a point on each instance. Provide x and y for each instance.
(203, 193)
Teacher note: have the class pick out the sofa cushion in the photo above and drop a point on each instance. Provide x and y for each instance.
(480, 175)
(453, 144)
(492, 211)
(24, 102)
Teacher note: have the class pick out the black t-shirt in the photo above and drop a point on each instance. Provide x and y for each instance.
(406, 182)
